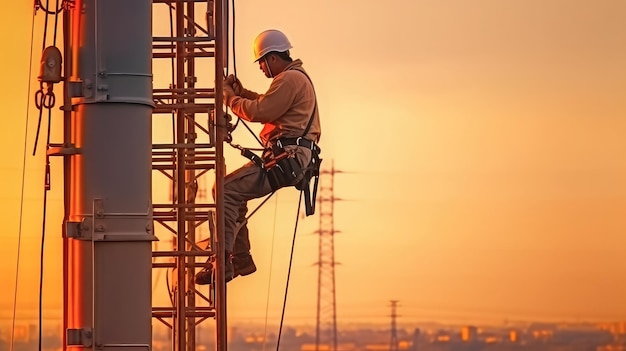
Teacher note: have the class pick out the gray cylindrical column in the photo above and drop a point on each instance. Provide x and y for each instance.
(110, 221)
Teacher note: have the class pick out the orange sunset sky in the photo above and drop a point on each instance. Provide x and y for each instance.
(483, 143)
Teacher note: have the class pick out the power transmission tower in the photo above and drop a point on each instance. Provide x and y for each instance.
(326, 330)
(393, 343)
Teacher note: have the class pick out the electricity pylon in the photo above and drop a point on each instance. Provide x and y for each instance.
(393, 343)
(326, 329)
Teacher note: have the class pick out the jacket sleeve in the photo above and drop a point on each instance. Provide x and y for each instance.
(266, 107)
(249, 94)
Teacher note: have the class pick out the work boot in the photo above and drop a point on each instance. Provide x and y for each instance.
(205, 276)
(229, 270)
(243, 264)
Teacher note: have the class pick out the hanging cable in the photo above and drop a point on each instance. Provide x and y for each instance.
(267, 300)
(56, 22)
(233, 45)
(49, 106)
(39, 5)
(235, 71)
(50, 74)
(249, 129)
(232, 127)
(293, 244)
(41, 252)
(21, 215)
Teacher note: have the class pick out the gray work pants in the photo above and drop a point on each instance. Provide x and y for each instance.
(242, 185)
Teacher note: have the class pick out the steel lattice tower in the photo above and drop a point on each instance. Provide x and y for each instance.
(393, 343)
(187, 152)
(326, 330)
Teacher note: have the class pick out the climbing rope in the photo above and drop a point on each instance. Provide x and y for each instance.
(22, 187)
(45, 99)
(293, 245)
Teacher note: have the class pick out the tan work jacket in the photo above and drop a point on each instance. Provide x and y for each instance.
(285, 109)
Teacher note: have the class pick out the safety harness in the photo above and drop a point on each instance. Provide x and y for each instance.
(282, 169)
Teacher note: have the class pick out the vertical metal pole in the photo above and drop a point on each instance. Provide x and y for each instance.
(109, 227)
(190, 174)
(67, 132)
(181, 292)
(220, 121)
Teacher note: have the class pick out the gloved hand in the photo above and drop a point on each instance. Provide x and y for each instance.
(229, 80)
(228, 93)
(234, 83)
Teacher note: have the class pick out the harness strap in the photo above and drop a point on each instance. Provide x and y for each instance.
(252, 157)
(300, 141)
(311, 172)
(308, 125)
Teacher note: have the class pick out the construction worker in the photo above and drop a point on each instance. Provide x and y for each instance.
(291, 129)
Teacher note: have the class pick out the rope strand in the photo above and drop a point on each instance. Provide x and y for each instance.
(234, 56)
(41, 259)
(45, 101)
(293, 244)
(269, 279)
(21, 215)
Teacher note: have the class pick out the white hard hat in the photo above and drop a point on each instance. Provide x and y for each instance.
(268, 41)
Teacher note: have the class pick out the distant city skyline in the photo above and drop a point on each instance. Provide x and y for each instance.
(535, 336)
